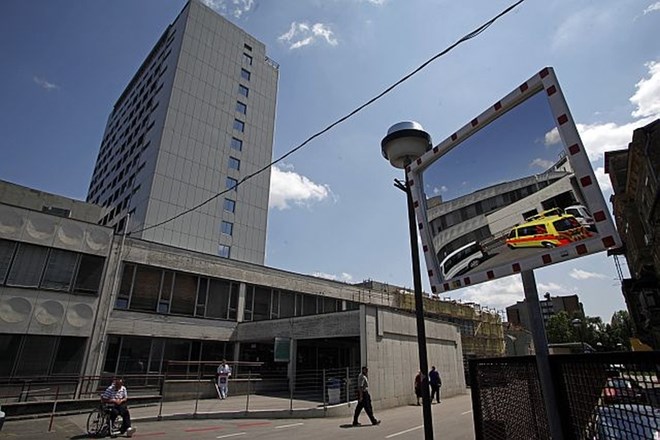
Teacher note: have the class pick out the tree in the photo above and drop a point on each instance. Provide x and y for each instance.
(559, 329)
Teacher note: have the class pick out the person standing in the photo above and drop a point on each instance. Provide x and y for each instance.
(116, 396)
(436, 382)
(417, 385)
(364, 399)
(223, 374)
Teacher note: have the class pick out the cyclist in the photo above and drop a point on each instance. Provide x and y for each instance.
(116, 396)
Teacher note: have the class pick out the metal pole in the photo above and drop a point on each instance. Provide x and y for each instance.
(542, 354)
(247, 399)
(419, 312)
(323, 388)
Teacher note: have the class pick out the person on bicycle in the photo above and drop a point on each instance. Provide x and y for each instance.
(116, 396)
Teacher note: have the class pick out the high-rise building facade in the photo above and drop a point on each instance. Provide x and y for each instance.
(197, 117)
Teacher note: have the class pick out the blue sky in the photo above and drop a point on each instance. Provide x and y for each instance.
(511, 147)
(335, 211)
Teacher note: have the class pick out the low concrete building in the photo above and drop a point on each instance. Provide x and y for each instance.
(75, 299)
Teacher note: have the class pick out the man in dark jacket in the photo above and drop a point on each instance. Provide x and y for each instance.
(435, 382)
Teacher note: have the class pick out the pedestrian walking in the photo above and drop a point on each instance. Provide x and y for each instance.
(436, 382)
(364, 399)
(417, 385)
(223, 373)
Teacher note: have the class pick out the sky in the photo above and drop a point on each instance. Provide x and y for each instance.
(334, 211)
(510, 148)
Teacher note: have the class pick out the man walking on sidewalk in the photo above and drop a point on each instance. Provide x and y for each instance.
(436, 383)
(364, 399)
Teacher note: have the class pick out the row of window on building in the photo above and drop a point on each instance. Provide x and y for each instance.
(234, 163)
(156, 290)
(33, 266)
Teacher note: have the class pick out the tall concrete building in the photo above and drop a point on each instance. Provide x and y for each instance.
(196, 118)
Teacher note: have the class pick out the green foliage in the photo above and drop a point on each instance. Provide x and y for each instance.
(614, 336)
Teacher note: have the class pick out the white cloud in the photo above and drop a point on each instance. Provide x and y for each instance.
(45, 84)
(302, 34)
(235, 8)
(544, 164)
(580, 274)
(499, 293)
(290, 188)
(603, 179)
(647, 96)
(606, 136)
(652, 7)
(440, 190)
(552, 137)
(344, 277)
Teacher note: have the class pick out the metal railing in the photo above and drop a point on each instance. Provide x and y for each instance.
(251, 388)
(599, 395)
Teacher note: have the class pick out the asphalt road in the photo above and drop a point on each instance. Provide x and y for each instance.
(452, 420)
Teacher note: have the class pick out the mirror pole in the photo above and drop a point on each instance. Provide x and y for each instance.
(419, 311)
(542, 354)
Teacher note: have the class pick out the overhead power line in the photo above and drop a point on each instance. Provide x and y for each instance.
(463, 39)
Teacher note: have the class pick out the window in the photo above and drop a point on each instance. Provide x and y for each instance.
(239, 125)
(242, 90)
(224, 250)
(236, 144)
(241, 108)
(247, 47)
(89, 274)
(146, 289)
(28, 266)
(231, 183)
(185, 294)
(230, 205)
(234, 164)
(227, 228)
(245, 74)
(7, 252)
(247, 59)
(59, 271)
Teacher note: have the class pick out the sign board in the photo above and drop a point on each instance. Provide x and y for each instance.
(512, 190)
(282, 349)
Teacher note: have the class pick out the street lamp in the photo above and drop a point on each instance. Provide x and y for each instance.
(577, 325)
(404, 143)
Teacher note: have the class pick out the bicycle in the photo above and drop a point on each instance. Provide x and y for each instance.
(99, 423)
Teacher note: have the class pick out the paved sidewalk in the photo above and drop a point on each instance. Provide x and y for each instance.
(234, 407)
(227, 418)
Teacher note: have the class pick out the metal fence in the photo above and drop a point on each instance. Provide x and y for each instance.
(193, 391)
(599, 396)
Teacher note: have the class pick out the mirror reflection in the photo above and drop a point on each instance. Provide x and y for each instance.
(504, 194)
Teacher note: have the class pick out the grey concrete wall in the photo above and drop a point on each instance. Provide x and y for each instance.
(36, 200)
(390, 343)
(163, 326)
(25, 225)
(331, 325)
(40, 312)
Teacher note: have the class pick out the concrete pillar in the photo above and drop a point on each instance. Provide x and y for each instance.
(240, 307)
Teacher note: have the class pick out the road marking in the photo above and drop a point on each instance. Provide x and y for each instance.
(466, 412)
(405, 432)
(231, 435)
(288, 426)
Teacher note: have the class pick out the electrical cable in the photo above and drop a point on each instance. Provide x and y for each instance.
(466, 37)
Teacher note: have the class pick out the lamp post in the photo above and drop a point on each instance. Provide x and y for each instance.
(404, 143)
(577, 325)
